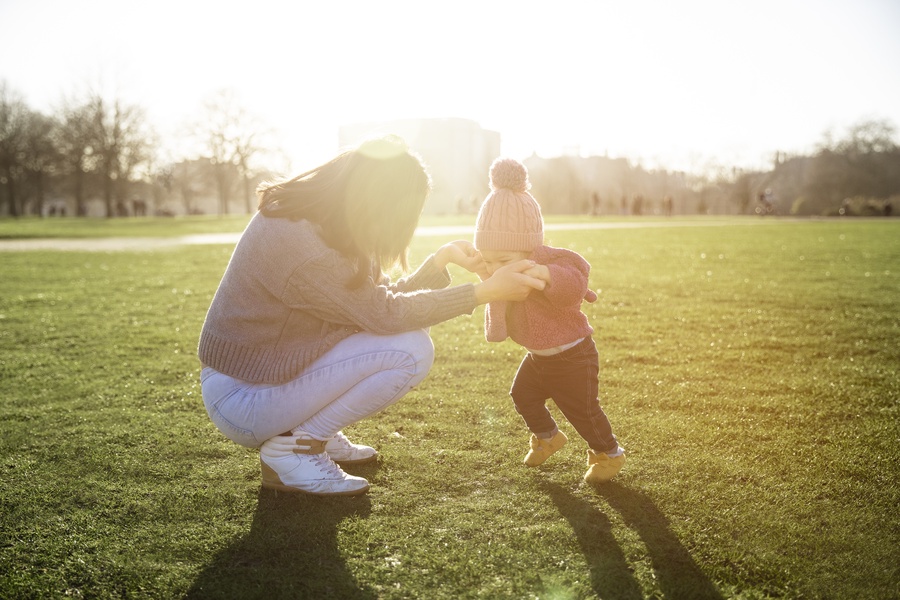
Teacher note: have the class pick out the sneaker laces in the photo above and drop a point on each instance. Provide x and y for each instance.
(341, 440)
(327, 466)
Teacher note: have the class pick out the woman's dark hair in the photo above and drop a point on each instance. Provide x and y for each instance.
(367, 202)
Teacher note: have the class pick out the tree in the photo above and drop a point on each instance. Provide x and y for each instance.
(230, 135)
(74, 140)
(122, 142)
(742, 190)
(867, 137)
(865, 163)
(188, 179)
(14, 114)
(244, 150)
(39, 156)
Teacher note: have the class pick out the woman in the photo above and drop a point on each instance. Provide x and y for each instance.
(306, 335)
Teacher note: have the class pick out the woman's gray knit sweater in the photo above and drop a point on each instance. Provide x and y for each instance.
(283, 302)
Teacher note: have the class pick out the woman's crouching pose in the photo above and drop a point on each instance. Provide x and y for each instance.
(306, 335)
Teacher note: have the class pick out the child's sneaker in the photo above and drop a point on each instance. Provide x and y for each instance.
(601, 467)
(542, 449)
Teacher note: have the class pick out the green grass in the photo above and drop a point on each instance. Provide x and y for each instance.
(750, 371)
(72, 228)
(35, 227)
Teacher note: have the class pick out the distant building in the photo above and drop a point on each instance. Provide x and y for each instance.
(458, 153)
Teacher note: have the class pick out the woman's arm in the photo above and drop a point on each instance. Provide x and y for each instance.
(318, 288)
(509, 282)
(433, 274)
(459, 252)
(512, 282)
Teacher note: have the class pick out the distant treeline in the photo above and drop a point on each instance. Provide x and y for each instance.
(100, 156)
(858, 174)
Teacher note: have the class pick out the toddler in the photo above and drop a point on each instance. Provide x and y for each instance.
(561, 362)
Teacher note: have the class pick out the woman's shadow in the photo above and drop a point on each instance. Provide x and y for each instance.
(291, 551)
(676, 572)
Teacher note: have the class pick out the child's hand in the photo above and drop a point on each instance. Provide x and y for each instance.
(482, 271)
(462, 253)
(510, 282)
(539, 272)
(480, 267)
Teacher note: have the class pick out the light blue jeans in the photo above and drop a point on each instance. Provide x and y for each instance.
(360, 376)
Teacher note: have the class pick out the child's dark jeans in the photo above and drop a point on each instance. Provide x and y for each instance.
(570, 378)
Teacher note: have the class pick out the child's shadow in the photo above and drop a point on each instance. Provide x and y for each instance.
(677, 575)
(291, 551)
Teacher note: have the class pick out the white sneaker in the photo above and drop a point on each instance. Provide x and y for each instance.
(299, 463)
(341, 450)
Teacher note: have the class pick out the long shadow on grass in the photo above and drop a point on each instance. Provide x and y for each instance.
(611, 577)
(677, 575)
(291, 551)
(676, 572)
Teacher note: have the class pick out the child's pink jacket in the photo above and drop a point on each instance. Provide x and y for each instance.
(547, 318)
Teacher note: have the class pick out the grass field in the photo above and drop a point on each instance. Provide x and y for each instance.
(750, 369)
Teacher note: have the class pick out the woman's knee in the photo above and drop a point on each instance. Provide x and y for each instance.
(421, 351)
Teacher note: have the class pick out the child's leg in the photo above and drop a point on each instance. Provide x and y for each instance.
(573, 376)
(531, 403)
(530, 398)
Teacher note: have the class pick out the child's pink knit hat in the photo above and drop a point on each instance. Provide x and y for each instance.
(509, 218)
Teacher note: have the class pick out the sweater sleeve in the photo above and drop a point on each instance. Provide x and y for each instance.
(569, 278)
(317, 287)
(426, 277)
(495, 321)
(568, 286)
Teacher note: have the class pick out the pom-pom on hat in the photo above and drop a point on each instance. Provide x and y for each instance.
(509, 218)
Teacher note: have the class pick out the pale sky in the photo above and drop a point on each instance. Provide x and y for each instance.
(680, 84)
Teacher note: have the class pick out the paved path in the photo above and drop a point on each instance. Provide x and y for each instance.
(137, 244)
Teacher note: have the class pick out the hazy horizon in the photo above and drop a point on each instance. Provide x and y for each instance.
(670, 85)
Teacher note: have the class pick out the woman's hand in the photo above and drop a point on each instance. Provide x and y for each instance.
(540, 272)
(459, 252)
(509, 282)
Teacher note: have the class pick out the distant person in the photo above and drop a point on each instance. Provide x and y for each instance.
(844, 210)
(306, 335)
(561, 362)
(765, 206)
(667, 205)
(637, 206)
